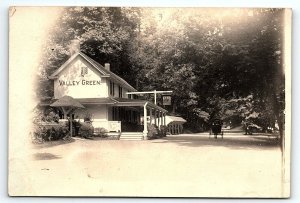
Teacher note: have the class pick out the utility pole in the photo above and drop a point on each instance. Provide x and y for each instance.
(151, 92)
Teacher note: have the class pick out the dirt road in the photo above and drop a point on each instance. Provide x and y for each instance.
(183, 165)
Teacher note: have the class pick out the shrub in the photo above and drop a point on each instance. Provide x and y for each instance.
(152, 131)
(39, 134)
(49, 132)
(62, 131)
(85, 114)
(100, 132)
(52, 117)
(86, 129)
(163, 130)
(40, 116)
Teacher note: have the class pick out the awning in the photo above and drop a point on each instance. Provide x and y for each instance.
(174, 119)
(106, 100)
(110, 101)
(82, 101)
(137, 102)
(67, 101)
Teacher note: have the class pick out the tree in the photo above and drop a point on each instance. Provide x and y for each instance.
(104, 34)
(210, 60)
(223, 63)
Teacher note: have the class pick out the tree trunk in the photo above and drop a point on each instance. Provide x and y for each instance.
(279, 119)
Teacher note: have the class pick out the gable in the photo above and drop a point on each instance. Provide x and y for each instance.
(80, 79)
(94, 66)
(84, 60)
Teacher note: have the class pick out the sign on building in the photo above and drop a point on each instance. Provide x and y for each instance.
(166, 100)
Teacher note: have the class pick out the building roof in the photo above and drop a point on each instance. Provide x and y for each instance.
(67, 101)
(84, 101)
(108, 100)
(102, 70)
(119, 102)
(175, 119)
(137, 102)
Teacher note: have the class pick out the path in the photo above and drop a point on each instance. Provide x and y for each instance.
(183, 165)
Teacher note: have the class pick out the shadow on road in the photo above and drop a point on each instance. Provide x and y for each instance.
(45, 156)
(247, 142)
(53, 143)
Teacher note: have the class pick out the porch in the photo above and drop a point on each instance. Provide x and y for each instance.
(127, 117)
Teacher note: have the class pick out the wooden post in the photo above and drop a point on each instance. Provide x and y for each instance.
(145, 132)
(159, 119)
(150, 116)
(66, 111)
(155, 118)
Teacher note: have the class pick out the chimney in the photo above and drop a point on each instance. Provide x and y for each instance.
(107, 66)
(74, 47)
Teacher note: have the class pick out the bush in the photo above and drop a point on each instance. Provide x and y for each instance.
(52, 117)
(152, 131)
(163, 131)
(40, 116)
(49, 132)
(100, 132)
(86, 129)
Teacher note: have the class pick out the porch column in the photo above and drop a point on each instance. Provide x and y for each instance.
(155, 117)
(150, 116)
(145, 132)
(159, 119)
(164, 119)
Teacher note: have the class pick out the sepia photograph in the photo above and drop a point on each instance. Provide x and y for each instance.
(149, 102)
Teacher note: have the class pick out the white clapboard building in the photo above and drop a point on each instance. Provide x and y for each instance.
(103, 94)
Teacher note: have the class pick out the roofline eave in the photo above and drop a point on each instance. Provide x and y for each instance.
(54, 76)
(62, 67)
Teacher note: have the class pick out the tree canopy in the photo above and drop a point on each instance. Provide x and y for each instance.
(224, 63)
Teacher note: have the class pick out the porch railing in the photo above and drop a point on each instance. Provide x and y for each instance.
(110, 126)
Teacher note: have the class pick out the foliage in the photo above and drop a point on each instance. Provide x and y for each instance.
(46, 126)
(224, 63)
(209, 61)
(86, 129)
(103, 34)
(40, 116)
(163, 131)
(153, 131)
(47, 132)
(100, 132)
(85, 114)
(88, 116)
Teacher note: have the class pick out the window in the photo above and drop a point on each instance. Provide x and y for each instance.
(120, 92)
(130, 96)
(112, 88)
(84, 71)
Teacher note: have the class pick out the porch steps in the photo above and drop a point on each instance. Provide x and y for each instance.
(131, 136)
(114, 135)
